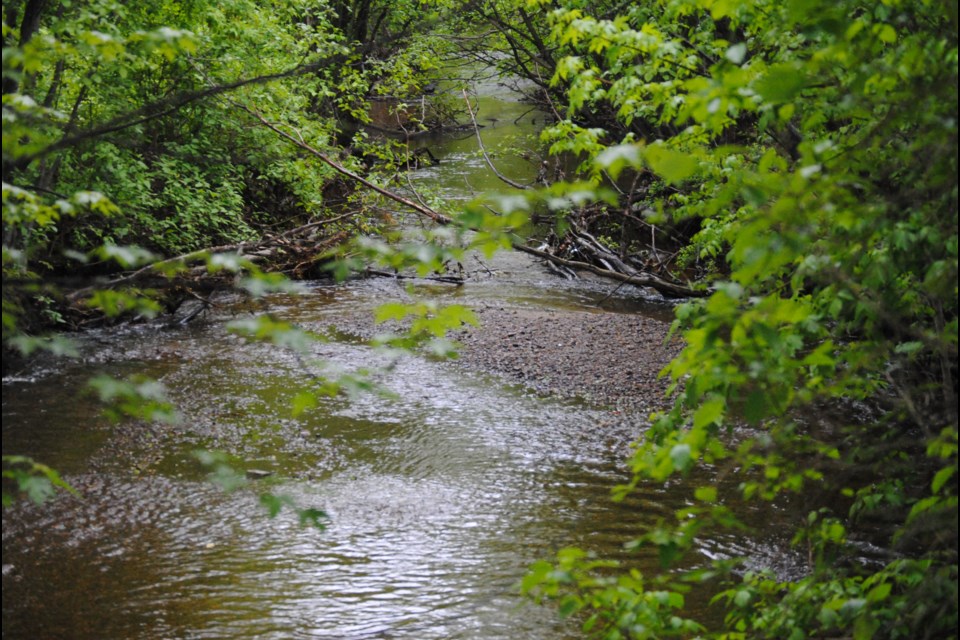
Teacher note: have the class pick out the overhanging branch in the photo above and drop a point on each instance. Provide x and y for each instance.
(157, 109)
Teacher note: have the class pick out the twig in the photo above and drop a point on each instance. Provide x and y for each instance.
(205, 304)
(476, 128)
(483, 264)
(414, 190)
(318, 223)
(609, 295)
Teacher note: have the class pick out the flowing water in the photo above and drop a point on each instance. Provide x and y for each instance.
(439, 495)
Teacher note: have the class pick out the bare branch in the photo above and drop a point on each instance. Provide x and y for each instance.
(483, 149)
(639, 279)
(156, 109)
(342, 170)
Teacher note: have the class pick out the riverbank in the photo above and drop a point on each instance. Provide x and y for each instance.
(605, 359)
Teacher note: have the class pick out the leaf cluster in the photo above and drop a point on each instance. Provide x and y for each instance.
(816, 145)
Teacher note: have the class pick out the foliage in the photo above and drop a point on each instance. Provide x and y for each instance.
(36, 480)
(115, 94)
(145, 104)
(127, 134)
(812, 144)
(817, 144)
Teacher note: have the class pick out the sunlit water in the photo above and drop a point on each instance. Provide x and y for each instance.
(439, 493)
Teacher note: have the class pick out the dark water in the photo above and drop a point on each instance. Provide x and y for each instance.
(439, 494)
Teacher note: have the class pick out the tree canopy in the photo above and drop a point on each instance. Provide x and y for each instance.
(815, 145)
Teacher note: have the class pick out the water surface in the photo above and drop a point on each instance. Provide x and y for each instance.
(439, 492)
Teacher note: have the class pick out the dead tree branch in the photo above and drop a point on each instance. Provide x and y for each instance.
(436, 216)
(483, 150)
(638, 278)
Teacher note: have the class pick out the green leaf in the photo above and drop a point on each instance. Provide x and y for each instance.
(393, 311)
(673, 166)
(126, 257)
(56, 345)
(38, 488)
(756, 407)
(941, 478)
(136, 397)
(909, 348)
(260, 284)
(736, 53)
(706, 494)
(742, 598)
(273, 503)
(568, 606)
(680, 456)
(821, 356)
(781, 83)
(232, 262)
(667, 553)
(886, 33)
(312, 516)
(616, 158)
(709, 412)
(302, 402)
(879, 592)
(864, 628)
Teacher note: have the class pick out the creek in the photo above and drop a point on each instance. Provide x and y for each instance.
(439, 495)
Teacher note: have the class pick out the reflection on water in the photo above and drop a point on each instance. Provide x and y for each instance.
(438, 498)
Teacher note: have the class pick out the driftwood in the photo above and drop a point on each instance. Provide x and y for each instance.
(634, 277)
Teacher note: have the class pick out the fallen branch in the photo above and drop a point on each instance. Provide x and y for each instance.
(205, 303)
(268, 249)
(153, 268)
(638, 279)
(457, 280)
